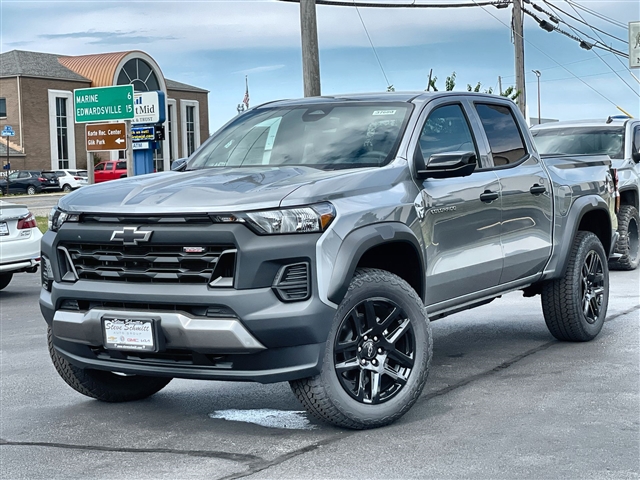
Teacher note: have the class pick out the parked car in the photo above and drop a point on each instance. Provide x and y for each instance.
(19, 242)
(619, 138)
(70, 179)
(30, 182)
(313, 240)
(110, 170)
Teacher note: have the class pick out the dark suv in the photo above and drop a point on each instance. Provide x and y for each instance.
(30, 182)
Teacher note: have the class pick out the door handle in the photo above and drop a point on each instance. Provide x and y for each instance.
(537, 189)
(488, 196)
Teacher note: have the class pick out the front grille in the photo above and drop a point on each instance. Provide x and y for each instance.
(211, 311)
(292, 282)
(148, 264)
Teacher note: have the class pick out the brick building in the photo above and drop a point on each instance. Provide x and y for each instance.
(36, 99)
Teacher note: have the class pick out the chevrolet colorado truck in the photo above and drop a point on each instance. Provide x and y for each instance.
(312, 241)
(619, 138)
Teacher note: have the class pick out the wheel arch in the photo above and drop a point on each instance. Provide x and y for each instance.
(590, 213)
(629, 196)
(388, 246)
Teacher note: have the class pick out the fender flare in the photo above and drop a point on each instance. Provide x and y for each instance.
(357, 242)
(583, 205)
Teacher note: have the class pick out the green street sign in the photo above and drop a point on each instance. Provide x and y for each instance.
(103, 103)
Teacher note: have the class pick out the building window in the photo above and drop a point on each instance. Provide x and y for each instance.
(3, 107)
(62, 138)
(190, 126)
(191, 130)
(139, 73)
(62, 132)
(170, 130)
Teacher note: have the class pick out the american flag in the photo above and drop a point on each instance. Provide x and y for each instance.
(246, 93)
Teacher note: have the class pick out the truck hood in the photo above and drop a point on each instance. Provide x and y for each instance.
(213, 190)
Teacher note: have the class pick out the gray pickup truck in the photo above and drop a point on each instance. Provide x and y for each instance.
(311, 241)
(619, 138)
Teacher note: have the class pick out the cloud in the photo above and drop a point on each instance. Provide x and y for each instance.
(107, 38)
(266, 68)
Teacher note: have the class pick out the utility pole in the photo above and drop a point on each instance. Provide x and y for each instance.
(537, 72)
(310, 57)
(500, 84)
(518, 40)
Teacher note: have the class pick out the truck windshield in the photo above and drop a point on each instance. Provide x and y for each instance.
(326, 136)
(580, 141)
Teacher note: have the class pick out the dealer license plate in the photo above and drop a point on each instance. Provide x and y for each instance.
(4, 229)
(129, 333)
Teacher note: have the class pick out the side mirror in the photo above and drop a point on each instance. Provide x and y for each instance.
(635, 156)
(179, 164)
(446, 164)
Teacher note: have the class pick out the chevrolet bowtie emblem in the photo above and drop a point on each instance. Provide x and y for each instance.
(130, 236)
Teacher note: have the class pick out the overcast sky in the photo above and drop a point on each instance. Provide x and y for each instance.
(214, 44)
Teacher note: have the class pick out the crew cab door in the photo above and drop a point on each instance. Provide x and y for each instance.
(459, 216)
(527, 210)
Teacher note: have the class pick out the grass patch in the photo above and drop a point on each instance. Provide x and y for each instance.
(42, 223)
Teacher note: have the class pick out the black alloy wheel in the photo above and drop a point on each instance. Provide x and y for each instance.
(374, 351)
(593, 288)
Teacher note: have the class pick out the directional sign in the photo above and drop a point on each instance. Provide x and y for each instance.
(103, 103)
(143, 134)
(7, 131)
(106, 136)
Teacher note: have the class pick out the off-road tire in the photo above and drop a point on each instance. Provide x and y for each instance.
(31, 190)
(66, 188)
(5, 278)
(562, 298)
(323, 395)
(103, 385)
(629, 240)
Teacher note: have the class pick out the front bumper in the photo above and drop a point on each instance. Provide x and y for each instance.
(204, 332)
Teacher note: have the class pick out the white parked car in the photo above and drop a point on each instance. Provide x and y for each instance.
(19, 241)
(71, 179)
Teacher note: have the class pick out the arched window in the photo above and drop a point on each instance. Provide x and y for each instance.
(138, 73)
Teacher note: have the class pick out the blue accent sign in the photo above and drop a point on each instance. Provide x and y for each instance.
(143, 134)
(6, 166)
(8, 131)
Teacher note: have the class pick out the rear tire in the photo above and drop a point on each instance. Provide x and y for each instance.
(31, 190)
(5, 278)
(376, 358)
(575, 305)
(103, 385)
(629, 241)
(66, 188)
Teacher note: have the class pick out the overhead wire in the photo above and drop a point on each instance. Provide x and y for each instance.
(601, 16)
(580, 20)
(552, 59)
(389, 86)
(621, 62)
(344, 3)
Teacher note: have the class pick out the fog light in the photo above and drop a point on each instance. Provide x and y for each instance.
(46, 273)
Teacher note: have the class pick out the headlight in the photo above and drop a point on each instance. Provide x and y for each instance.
(57, 217)
(315, 218)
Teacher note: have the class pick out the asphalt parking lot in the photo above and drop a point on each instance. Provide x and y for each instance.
(504, 400)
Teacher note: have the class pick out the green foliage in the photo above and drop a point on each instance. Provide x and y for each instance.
(450, 84)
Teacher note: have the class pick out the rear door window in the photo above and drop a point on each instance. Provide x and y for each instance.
(108, 166)
(502, 133)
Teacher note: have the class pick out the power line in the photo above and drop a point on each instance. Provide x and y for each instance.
(600, 15)
(555, 7)
(572, 78)
(627, 68)
(553, 60)
(557, 66)
(373, 48)
(339, 3)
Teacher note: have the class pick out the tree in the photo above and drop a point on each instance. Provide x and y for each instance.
(450, 84)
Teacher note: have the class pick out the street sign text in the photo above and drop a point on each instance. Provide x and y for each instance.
(106, 136)
(103, 103)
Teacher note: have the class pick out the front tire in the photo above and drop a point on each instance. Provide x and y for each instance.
(103, 385)
(575, 305)
(377, 355)
(5, 279)
(628, 244)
